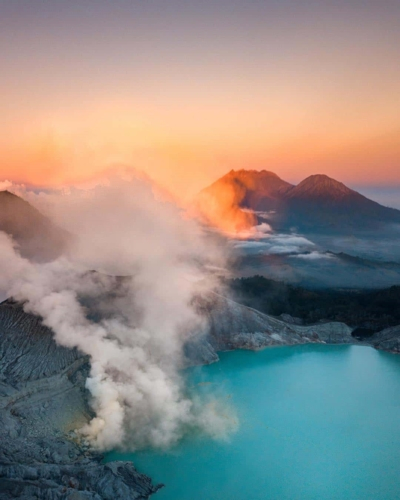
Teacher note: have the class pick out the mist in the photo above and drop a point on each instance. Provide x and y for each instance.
(124, 293)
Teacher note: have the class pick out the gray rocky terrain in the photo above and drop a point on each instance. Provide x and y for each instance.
(43, 399)
(233, 326)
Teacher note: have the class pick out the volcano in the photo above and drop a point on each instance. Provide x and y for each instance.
(318, 203)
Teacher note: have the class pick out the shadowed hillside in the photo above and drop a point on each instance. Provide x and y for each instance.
(37, 237)
(367, 310)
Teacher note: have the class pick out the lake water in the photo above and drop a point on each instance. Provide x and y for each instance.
(316, 423)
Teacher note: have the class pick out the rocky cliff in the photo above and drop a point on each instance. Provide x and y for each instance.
(233, 326)
(42, 401)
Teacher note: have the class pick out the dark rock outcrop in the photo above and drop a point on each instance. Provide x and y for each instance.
(387, 340)
(83, 481)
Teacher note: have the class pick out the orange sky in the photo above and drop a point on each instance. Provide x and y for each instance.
(187, 92)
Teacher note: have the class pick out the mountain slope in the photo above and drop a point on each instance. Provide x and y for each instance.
(36, 235)
(320, 202)
(221, 203)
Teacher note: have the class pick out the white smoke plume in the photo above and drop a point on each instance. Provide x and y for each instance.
(123, 294)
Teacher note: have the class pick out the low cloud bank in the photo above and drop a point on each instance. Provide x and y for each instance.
(265, 242)
(315, 255)
(124, 294)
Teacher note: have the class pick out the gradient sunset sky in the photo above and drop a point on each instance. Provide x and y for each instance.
(189, 89)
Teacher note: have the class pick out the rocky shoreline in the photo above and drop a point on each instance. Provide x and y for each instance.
(43, 398)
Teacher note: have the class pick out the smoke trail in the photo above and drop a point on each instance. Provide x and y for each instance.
(123, 294)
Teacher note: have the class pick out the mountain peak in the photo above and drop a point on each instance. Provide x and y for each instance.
(263, 181)
(255, 174)
(9, 194)
(320, 186)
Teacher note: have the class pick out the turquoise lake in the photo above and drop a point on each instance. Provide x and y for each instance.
(317, 422)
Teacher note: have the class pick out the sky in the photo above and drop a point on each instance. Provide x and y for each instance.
(186, 90)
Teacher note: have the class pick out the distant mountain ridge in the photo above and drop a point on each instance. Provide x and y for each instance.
(317, 203)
